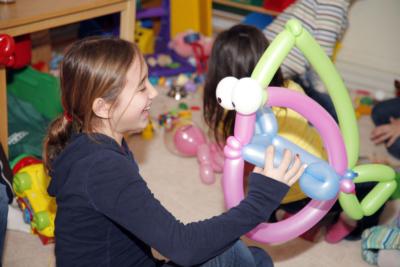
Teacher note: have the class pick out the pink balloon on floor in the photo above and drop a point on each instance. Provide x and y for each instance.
(187, 139)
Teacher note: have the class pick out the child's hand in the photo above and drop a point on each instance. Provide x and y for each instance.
(282, 173)
(386, 133)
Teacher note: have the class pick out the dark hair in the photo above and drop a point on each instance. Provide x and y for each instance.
(91, 68)
(235, 52)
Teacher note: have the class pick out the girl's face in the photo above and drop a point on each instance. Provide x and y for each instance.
(131, 111)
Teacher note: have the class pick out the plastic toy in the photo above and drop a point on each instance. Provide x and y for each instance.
(179, 65)
(191, 43)
(145, 39)
(39, 209)
(255, 129)
(363, 106)
(171, 118)
(278, 5)
(148, 131)
(181, 43)
(7, 48)
(42, 90)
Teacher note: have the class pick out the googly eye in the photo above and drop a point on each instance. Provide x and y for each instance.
(224, 92)
(247, 96)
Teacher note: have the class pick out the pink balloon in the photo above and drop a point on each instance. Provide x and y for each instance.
(207, 174)
(233, 168)
(187, 138)
(206, 169)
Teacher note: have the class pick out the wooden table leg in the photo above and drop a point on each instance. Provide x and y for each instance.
(127, 24)
(3, 111)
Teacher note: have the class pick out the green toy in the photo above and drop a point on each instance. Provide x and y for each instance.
(39, 89)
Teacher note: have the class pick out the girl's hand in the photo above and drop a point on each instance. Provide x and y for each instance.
(282, 173)
(386, 133)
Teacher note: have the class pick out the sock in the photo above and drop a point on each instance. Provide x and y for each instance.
(339, 230)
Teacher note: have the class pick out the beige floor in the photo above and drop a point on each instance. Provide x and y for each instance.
(175, 181)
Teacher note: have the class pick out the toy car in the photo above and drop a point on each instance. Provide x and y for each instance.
(30, 184)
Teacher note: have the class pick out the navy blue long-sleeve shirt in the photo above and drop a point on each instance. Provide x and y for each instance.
(107, 216)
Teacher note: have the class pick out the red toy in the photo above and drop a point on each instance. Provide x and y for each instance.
(7, 48)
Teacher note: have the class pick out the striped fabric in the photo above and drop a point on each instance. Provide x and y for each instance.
(326, 20)
(378, 238)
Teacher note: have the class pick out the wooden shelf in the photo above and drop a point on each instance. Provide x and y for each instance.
(247, 7)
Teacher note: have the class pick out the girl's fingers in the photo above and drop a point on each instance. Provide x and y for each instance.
(269, 157)
(285, 162)
(382, 138)
(297, 175)
(295, 167)
(258, 170)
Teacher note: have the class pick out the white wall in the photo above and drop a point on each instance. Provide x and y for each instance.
(370, 55)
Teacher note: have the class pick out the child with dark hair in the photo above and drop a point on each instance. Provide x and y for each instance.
(236, 52)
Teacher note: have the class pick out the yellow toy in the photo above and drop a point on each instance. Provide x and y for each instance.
(148, 132)
(363, 106)
(144, 39)
(39, 209)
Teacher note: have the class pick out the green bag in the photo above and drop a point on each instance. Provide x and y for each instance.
(40, 89)
(26, 128)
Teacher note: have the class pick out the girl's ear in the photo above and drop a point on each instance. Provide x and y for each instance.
(101, 108)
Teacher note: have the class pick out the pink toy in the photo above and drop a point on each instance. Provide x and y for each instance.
(184, 49)
(189, 141)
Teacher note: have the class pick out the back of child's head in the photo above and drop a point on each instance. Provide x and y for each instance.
(235, 52)
(92, 68)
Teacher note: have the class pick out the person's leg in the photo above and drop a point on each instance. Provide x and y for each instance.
(382, 111)
(3, 218)
(239, 255)
(261, 257)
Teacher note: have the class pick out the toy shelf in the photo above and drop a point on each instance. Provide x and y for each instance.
(247, 7)
(162, 40)
(150, 13)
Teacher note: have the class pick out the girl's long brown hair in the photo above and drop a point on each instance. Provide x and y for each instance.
(235, 52)
(93, 67)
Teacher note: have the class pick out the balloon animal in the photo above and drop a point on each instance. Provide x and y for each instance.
(256, 128)
(186, 139)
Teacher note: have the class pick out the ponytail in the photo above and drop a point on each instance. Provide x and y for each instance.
(58, 135)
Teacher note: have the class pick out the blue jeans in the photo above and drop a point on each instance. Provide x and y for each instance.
(3, 217)
(381, 114)
(239, 255)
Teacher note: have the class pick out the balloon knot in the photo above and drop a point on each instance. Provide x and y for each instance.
(350, 175)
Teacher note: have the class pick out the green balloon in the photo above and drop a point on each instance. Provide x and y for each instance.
(351, 206)
(337, 91)
(384, 175)
(374, 173)
(377, 197)
(273, 58)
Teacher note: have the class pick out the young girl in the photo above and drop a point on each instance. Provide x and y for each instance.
(236, 52)
(106, 214)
